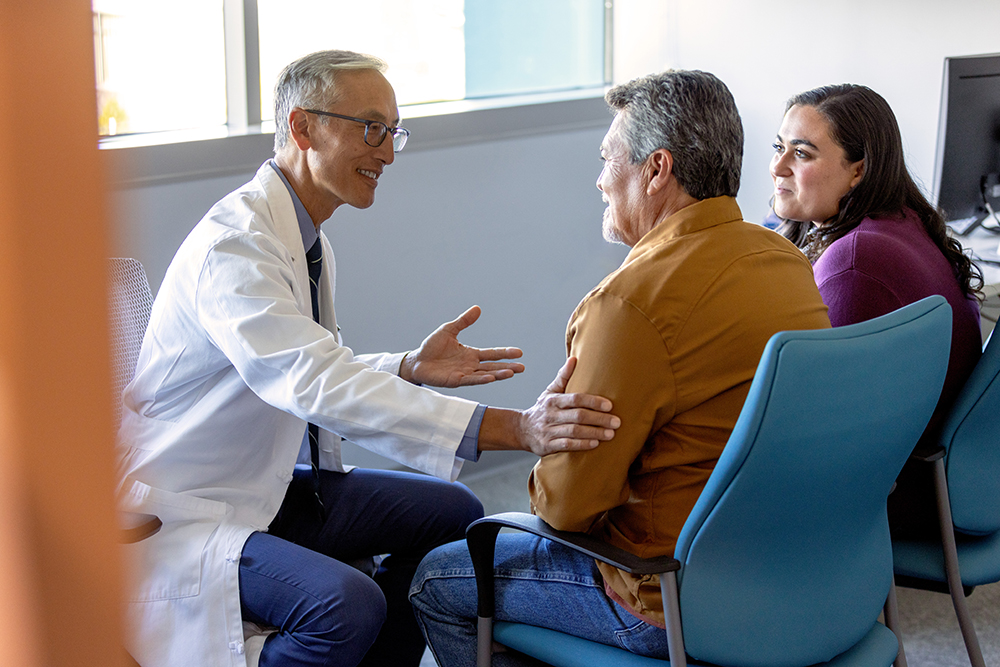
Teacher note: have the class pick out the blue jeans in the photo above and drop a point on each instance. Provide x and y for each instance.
(294, 577)
(539, 583)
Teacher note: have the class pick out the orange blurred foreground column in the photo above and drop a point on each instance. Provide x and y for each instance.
(59, 563)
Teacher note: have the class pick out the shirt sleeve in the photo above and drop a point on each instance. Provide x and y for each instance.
(468, 449)
(621, 356)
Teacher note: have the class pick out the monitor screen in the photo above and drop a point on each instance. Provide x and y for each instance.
(967, 165)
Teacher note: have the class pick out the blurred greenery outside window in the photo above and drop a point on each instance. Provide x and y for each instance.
(162, 66)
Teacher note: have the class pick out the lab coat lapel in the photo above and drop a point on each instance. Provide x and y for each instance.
(286, 228)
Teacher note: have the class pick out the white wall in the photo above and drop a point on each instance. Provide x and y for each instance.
(768, 50)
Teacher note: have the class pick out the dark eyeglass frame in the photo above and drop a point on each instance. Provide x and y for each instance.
(399, 134)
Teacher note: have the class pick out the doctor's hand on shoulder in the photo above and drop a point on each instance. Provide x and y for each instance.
(557, 422)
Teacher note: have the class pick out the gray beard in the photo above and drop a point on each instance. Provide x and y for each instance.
(609, 231)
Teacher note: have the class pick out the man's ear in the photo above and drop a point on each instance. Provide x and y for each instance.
(299, 128)
(658, 167)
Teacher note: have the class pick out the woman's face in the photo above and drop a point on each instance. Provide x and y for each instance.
(810, 170)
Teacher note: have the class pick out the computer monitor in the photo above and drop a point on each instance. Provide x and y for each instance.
(967, 165)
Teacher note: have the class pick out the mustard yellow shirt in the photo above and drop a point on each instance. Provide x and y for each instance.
(673, 338)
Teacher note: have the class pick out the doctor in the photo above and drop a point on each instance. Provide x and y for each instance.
(236, 383)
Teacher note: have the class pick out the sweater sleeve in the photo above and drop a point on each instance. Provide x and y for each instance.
(855, 296)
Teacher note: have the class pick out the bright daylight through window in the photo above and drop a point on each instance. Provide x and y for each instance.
(161, 65)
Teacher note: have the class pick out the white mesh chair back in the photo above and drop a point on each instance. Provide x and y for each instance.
(131, 302)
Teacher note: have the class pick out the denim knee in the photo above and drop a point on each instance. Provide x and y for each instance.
(437, 575)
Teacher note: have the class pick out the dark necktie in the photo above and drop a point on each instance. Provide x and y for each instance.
(314, 261)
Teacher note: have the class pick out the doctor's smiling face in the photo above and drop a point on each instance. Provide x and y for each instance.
(342, 167)
(810, 170)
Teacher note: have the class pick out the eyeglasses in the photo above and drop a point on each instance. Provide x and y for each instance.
(375, 131)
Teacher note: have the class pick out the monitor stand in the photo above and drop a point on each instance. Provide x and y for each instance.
(965, 226)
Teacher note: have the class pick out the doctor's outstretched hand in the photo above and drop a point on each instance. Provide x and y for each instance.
(441, 361)
(557, 422)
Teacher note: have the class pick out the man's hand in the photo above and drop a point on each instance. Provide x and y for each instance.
(560, 422)
(441, 361)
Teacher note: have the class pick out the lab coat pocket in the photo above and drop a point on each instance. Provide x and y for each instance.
(169, 564)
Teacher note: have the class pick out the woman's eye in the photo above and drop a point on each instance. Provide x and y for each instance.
(778, 148)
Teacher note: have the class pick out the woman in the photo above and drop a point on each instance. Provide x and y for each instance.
(843, 193)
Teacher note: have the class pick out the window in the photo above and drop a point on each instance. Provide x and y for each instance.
(525, 46)
(162, 66)
(425, 50)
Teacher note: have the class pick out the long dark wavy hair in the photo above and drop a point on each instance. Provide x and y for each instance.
(862, 123)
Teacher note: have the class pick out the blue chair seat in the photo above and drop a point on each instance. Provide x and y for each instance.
(878, 647)
(978, 559)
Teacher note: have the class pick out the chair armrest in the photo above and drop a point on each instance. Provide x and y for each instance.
(135, 527)
(928, 454)
(482, 536)
(581, 542)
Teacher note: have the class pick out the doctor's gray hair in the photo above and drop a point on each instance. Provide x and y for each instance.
(693, 115)
(311, 83)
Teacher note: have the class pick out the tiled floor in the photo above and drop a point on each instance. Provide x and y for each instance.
(930, 631)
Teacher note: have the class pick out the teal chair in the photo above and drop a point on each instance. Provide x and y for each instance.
(967, 488)
(785, 560)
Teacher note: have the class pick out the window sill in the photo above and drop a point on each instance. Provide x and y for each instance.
(170, 157)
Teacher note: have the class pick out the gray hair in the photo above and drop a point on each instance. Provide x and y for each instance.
(691, 114)
(311, 82)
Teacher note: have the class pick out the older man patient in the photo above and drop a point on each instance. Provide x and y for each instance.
(673, 337)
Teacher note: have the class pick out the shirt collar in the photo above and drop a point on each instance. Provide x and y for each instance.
(306, 226)
(700, 215)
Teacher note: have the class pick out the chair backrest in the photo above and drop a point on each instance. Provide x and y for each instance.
(971, 436)
(131, 302)
(786, 556)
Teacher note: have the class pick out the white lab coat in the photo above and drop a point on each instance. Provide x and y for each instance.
(231, 369)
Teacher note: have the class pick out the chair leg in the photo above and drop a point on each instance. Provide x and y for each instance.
(951, 567)
(891, 612)
(484, 642)
(672, 617)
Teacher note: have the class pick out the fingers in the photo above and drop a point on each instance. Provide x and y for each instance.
(491, 366)
(571, 438)
(580, 432)
(475, 379)
(482, 377)
(565, 445)
(558, 385)
(569, 422)
(587, 402)
(496, 353)
(463, 321)
(585, 418)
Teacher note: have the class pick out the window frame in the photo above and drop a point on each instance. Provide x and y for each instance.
(163, 157)
(134, 162)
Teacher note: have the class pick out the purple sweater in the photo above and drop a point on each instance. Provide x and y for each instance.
(885, 264)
